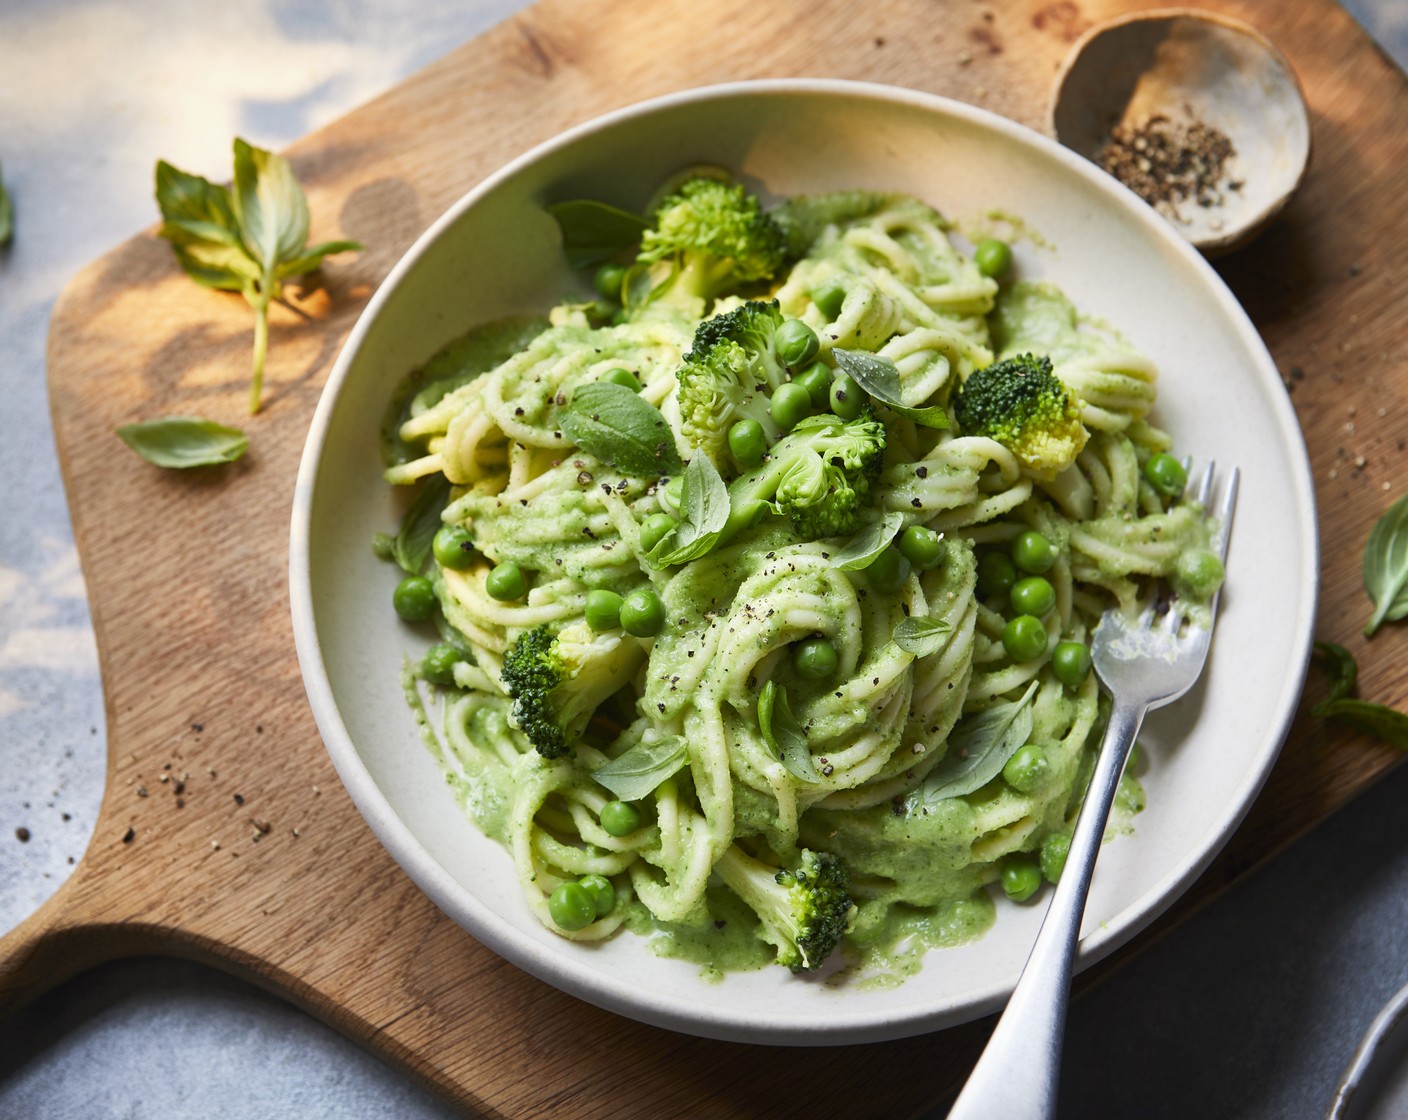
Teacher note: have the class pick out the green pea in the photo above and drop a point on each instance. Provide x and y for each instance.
(438, 664)
(996, 574)
(748, 442)
(414, 598)
(619, 818)
(1033, 595)
(816, 380)
(505, 582)
(453, 547)
(1027, 770)
(993, 257)
(1024, 638)
(603, 894)
(671, 494)
(1166, 474)
(815, 659)
(790, 405)
(922, 547)
(828, 296)
(571, 907)
(1054, 849)
(1033, 553)
(1197, 573)
(608, 281)
(888, 571)
(603, 611)
(796, 343)
(655, 528)
(847, 398)
(642, 613)
(1070, 661)
(1021, 876)
(618, 375)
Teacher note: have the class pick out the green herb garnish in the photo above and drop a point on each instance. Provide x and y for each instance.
(704, 511)
(622, 429)
(636, 773)
(1386, 566)
(978, 749)
(594, 232)
(249, 237)
(922, 637)
(184, 441)
(7, 216)
(784, 735)
(881, 379)
(1378, 720)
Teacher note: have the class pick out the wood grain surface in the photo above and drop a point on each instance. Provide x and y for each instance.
(224, 835)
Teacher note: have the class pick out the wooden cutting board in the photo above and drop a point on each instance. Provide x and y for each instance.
(224, 835)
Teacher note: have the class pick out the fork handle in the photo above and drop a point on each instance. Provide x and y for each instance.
(1017, 1075)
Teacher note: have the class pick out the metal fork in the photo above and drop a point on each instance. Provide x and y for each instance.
(1144, 664)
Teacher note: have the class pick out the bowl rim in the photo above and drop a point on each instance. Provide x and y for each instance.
(707, 1019)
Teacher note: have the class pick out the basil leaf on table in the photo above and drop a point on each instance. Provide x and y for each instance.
(248, 238)
(922, 637)
(1343, 670)
(622, 429)
(1386, 566)
(862, 549)
(1377, 720)
(978, 749)
(636, 773)
(594, 232)
(704, 511)
(7, 216)
(881, 379)
(784, 734)
(181, 442)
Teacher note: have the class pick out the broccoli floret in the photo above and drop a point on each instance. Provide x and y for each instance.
(556, 681)
(727, 374)
(818, 475)
(805, 912)
(1023, 405)
(716, 236)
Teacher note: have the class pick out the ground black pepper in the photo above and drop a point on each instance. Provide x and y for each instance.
(1166, 163)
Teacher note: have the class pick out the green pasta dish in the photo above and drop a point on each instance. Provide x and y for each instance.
(763, 578)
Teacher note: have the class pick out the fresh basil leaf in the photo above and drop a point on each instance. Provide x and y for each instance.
(636, 773)
(922, 637)
(411, 546)
(1386, 566)
(7, 216)
(621, 428)
(181, 442)
(200, 223)
(704, 510)
(862, 549)
(1377, 720)
(784, 735)
(311, 259)
(594, 232)
(879, 377)
(270, 206)
(1343, 670)
(978, 749)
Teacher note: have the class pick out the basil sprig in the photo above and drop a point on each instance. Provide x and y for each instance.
(621, 428)
(977, 752)
(704, 510)
(1378, 720)
(182, 442)
(784, 735)
(635, 774)
(248, 237)
(1386, 566)
(881, 379)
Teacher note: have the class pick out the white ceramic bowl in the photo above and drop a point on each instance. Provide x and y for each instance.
(496, 252)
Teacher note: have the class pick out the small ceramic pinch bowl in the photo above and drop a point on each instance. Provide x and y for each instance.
(496, 253)
(1189, 70)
